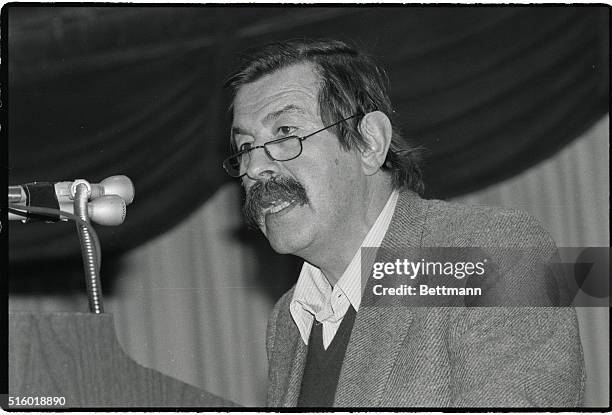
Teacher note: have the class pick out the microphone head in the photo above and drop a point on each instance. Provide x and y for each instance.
(108, 210)
(119, 185)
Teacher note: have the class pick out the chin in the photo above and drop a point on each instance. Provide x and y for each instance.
(288, 233)
(287, 241)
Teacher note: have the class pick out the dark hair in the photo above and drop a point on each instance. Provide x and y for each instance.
(352, 83)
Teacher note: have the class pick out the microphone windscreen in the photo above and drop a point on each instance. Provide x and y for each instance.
(119, 185)
(108, 210)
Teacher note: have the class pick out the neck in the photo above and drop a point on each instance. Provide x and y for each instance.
(334, 260)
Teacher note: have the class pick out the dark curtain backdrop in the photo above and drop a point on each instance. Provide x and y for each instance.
(93, 92)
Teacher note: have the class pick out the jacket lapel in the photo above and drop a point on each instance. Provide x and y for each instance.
(379, 330)
(289, 358)
(374, 344)
(294, 381)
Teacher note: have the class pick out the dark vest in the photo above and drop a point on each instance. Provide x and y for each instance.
(322, 369)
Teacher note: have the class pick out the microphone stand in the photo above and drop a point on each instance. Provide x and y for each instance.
(111, 197)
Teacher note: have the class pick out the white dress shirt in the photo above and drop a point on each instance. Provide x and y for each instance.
(314, 297)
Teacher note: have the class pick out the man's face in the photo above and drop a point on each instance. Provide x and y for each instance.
(285, 103)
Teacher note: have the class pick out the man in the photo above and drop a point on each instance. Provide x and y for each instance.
(326, 173)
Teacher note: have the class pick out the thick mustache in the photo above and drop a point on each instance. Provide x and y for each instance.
(272, 191)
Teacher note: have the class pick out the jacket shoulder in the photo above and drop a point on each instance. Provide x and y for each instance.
(478, 225)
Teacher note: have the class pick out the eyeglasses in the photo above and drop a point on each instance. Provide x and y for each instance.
(281, 149)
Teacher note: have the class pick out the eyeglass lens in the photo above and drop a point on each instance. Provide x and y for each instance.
(283, 149)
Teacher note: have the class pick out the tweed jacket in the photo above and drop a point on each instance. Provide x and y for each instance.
(446, 356)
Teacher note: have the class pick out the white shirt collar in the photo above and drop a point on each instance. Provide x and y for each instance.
(314, 297)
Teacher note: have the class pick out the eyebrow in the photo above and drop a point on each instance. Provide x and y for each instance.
(238, 130)
(287, 109)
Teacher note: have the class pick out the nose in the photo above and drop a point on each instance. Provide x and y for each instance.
(260, 165)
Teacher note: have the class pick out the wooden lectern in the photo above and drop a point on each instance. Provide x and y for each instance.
(77, 356)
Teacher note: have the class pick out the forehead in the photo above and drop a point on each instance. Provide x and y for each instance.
(295, 87)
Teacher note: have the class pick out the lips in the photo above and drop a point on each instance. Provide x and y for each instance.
(278, 206)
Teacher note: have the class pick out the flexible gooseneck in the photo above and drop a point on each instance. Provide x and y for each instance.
(91, 256)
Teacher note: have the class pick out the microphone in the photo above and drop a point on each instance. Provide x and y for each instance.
(106, 206)
(107, 210)
(120, 185)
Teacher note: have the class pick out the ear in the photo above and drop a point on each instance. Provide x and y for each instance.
(375, 128)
